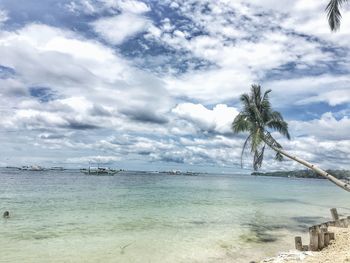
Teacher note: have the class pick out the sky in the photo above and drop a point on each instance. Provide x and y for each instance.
(155, 85)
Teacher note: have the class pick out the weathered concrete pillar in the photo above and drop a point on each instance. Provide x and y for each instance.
(335, 215)
(321, 233)
(326, 239)
(298, 243)
(313, 232)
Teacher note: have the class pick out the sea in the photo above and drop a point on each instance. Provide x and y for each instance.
(66, 216)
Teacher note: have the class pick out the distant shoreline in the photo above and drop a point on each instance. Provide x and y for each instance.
(340, 174)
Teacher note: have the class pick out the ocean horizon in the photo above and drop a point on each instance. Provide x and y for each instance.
(66, 216)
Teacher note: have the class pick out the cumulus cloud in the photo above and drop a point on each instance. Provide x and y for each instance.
(333, 98)
(331, 89)
(3, 16)
(128, 6)
(243, 47)
(109, 6)
(218, 119)
(117, 29)
(327, 127)
(76, 78)
(93, 159)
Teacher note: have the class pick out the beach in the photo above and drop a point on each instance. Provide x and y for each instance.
(337, 252)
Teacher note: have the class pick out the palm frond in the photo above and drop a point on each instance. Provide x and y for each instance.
(240, 123)
(256, 140)
(266, 94)
(277, 123)
(275, 115)
(333, 13)
(245, 100)
(279, 157)
(256, 95)
(265, 103)
(280, 126)
(258, 158)
(270, 140)
(243, 149)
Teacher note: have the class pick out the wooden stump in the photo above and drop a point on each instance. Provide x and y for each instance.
(321, 233)
(334, 213)
(343, 222)
(326, 239)
(298, 243)
(313, 232)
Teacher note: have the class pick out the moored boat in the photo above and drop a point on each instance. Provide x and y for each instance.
(99, 171)
(32, 168)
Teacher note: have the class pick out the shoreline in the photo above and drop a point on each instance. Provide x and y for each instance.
(338, 251)
(339, 174)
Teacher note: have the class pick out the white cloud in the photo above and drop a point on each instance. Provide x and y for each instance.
(333, 97)
(218, 119)
(91, 81)
(332, 89)
(327, 127)
(109, 6)
(309, 17)
(117, 29)
(93, 159)
(130, 6)
(243, 51)
(3, 16)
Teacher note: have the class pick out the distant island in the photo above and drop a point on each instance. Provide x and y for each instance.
(340, 174)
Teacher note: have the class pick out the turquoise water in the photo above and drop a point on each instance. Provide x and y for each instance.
(142, 217)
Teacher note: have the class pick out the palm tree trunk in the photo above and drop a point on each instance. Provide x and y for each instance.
(314, 168)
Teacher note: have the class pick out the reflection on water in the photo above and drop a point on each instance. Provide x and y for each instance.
(140, 217)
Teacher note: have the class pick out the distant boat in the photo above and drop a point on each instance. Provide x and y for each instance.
(99, 171)
(191, 174)
(174, 172)
(32, 168)
(13, 167)
(56, 168)
(178, 172)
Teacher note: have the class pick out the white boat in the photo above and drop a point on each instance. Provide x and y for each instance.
(99, 171)
(32, 168)
(174, 172)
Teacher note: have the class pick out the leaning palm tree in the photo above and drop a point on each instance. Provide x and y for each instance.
(258, 119)
(333, 13)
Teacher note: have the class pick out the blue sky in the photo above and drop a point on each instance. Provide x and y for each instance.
(156, 84)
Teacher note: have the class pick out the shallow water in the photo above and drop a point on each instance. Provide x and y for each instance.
(143, 217)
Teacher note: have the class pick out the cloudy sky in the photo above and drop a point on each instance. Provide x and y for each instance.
(155, 84)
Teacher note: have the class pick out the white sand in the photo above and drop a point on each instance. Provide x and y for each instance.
(337, 252)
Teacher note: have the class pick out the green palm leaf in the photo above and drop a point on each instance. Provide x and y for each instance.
(333, 13)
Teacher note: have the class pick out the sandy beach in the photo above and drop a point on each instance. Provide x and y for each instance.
(337, 252)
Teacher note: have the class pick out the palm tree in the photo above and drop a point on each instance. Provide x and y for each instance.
(333, 13)
(259, 119)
